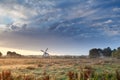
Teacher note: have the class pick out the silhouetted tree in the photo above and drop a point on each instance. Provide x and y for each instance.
(118, 48)
(116, 53)
(0, 54)
(8, 53)
(13, 54)
(93, 53)
(107, 52)
(113, 52)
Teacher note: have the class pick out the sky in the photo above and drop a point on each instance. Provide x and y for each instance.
(66, 27)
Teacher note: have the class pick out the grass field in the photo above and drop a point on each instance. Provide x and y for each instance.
(59, 69)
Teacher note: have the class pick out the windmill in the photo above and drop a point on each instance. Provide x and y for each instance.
(45, 54)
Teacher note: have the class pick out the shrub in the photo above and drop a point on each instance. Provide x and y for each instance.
(30, 68)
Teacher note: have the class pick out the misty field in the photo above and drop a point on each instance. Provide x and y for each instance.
(59, 69)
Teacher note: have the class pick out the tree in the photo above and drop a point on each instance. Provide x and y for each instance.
(116, 53)
(118, 48)
(0, 54)
(107, 52)
(93, 53)
(13, 54)
(113, 52)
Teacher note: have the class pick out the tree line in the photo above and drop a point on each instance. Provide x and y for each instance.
(106, 52)
(93, 53)
(11, 54)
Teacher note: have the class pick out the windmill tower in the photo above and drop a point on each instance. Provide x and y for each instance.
(45, 54)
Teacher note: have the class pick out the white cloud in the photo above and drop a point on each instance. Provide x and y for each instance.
(116, 9)
(11, 13)
(42, 6)
(108, 21)
(2, 27)
(97, 24)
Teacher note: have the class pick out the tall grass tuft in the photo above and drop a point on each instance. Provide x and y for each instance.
(45, 76)
(29, 77)
(6, 75)
(72, 75)
(86, 73)
(117, 75)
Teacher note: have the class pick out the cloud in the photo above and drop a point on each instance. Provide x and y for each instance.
(116, 9)
(2, 28)
(57, 20)
(17, 27)
(112, 32)
(108, 21)
(12, 12)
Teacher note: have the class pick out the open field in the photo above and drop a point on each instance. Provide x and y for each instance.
(60, 69)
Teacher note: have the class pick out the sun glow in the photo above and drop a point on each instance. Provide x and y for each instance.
(19, 51)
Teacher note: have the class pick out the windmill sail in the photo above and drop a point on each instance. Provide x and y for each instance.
(46, 50)
(42, 51)
(45, 54)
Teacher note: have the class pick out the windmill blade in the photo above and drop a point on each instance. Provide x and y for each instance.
(42, 51)
(46, 50)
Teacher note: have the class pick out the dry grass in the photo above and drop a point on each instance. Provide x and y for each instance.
(58, 69)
